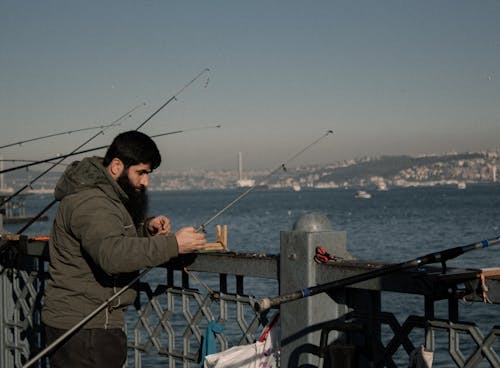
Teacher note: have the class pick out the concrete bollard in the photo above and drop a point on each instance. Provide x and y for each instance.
(303, 320)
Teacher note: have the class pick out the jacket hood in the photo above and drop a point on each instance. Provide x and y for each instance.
(86, 174)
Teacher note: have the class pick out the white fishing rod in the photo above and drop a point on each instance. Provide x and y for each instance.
(105, 304)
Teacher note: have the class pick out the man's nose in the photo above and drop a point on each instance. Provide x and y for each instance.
(145, 180)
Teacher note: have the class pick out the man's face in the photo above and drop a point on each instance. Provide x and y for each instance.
(138, 176)
(134, 181)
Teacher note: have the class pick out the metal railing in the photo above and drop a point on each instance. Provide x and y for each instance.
(353, 326)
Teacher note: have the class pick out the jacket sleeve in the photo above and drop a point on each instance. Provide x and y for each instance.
(142, 228)
(112, 242)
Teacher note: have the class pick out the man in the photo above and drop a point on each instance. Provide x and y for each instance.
(99, 240)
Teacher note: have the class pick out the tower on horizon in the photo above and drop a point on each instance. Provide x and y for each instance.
(243, 182)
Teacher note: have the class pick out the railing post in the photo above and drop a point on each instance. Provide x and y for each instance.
(7, 308)
(302, 320)
(5, 300)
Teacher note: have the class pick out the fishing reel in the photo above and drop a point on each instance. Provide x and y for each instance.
(9, 254)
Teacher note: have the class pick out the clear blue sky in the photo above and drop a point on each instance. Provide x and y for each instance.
(389, 77)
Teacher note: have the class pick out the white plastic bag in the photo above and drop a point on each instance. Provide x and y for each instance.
(421, 358)
(261, 354)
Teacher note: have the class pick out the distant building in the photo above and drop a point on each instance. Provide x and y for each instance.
(243, 182)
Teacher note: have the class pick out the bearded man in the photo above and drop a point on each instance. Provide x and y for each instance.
(100, 239)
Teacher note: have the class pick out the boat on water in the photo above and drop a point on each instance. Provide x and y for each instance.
(361, 194)
(382, 185)
(296, 187)
(461, 185)
(245, 183)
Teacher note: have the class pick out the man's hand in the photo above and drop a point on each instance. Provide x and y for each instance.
(189, 240)
(159, 225)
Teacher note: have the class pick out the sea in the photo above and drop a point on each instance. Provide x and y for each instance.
(392, 226)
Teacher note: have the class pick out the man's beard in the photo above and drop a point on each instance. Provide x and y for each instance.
(137, 204)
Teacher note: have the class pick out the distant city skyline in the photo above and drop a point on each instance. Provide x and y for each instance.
(382, 173)
(388, 77)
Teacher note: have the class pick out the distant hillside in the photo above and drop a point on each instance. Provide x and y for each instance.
(470, 167)
(391, 166)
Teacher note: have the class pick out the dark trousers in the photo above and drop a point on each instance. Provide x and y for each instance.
(88, 348)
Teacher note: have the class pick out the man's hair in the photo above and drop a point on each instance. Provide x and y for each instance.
(133, 148)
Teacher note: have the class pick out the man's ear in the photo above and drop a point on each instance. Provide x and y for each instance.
(115, 168)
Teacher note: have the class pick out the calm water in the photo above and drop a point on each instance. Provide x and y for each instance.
(395, 225)
(392, 226)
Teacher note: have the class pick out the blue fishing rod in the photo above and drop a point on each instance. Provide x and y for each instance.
(262, 305)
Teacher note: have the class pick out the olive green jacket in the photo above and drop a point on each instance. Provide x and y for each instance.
(95, 249)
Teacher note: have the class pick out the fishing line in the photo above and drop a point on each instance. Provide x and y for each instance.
(104, 305)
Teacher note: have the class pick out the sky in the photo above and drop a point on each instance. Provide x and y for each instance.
(388, 77)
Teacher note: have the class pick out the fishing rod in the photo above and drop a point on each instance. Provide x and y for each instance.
(79, 325)
(20, 190)
(105, 304)
(262, 305)
(45, 209)
(33, 163)
(283, 166)
(174, 97)
(55, 135)
(16, 160)
(28, 161)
